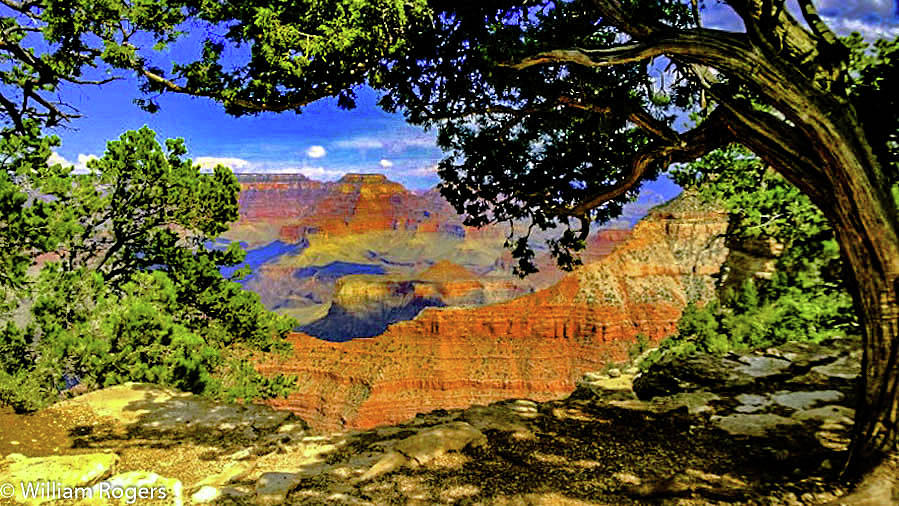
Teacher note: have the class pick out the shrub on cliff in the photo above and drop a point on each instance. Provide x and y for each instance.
(135, 294)
(806, 299)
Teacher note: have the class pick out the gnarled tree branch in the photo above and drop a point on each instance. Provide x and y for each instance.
(818, 26)
(174, 87)
(708, 136)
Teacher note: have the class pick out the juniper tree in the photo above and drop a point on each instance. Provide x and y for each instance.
(550, 111)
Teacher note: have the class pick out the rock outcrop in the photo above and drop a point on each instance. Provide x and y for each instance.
(762, 427)
(365, 305)
(277, 196)
(762, 392)
(535, 346)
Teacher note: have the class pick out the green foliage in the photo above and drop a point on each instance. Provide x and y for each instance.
(805, 300)
(136, 294)
(641, 344)
(875, 72)
(530, 144)
(25, 227)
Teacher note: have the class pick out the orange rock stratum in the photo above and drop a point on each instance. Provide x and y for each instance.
(535, 346)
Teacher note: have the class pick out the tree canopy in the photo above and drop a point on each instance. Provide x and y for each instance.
(549, 111)
(110, 276)
(552, 112)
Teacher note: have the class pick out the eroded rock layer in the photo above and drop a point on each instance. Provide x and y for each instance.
(535, 346)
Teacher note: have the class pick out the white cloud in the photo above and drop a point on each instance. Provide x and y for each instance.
(870, 30)
(428, 171)
(424, 141)
(316, 152)
(209, 162)
(319, 173)
(386, 163)
(83, 159)
(56, 158)
(359, 143)
(80, 167)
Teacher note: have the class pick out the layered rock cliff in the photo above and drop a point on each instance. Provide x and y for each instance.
(277, 196)
(359, 203)
(534, 346)
(364, 305)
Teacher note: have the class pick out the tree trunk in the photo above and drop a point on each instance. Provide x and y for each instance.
(851, 187)
(876, 430)
(875, 290)
(864, 216)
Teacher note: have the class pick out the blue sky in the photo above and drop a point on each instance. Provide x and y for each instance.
(325, 142)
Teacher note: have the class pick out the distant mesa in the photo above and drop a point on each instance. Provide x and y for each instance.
(255, 177)
(358, 178)
(444, 271)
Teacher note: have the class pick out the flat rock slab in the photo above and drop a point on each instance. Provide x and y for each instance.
(844, 368)
(756, 425)
(693, 402)
(699, 372)
(806, 400)
(68, 470)
(832, 414)
(761, 367)
(272, 488)
(154, 409)
(435, 441)
(751, 403)
(425, 446)
(802, 354)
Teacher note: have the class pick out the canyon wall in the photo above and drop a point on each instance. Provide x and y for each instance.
(309, 240)
(534, 346)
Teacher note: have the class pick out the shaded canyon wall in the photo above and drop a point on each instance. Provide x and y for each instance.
(535, 346)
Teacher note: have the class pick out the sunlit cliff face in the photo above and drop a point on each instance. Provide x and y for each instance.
(534, 346)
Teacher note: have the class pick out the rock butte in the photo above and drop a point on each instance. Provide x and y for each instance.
(535, 346)
(397, 251)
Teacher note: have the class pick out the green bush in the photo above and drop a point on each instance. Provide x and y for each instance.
(805, 300)
(135, 295)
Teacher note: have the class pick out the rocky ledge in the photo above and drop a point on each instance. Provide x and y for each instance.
(767, 427)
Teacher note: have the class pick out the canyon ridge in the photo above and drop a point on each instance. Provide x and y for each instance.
(402, 309)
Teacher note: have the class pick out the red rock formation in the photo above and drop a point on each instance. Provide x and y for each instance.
(280, 196)
(534, 347)
(369, 202)
(603, 242)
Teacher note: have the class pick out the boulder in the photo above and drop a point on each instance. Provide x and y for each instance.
(425, 446)
(153, 410)
(66, 470)
(435, 441)
(136, 486)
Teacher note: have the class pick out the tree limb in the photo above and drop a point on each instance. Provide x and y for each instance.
(717, 48)
(637, 115)
(818, 26)
(708, 136)
(781, 147)
(174, 87)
